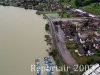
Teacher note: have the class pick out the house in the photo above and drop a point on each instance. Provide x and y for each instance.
(97, 33)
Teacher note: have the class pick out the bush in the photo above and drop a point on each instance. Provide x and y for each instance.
(47, 27)
(54, 51)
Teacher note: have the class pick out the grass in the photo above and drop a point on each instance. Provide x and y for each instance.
(84, 59)
(69, 45)
(67, 15)
(57, 60)
(72, 2)
(65, 3)
(62, 14)
(94, 8)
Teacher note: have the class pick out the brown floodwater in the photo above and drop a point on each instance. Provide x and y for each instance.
(21, 40)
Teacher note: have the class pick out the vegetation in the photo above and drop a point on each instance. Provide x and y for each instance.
(73, 3)
(63, 73)
(63, 2)
(88, 5)
(54, 51)
(38, 13)
(66, 15)
(61, 14)
(35, 3)
(57, 60)
(69, 45)
(94, 8)
(47, 27)
(84, 59)
(86, 24)
(73, 30)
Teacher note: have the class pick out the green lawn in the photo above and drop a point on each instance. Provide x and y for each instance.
(72, 2)
(94, 8)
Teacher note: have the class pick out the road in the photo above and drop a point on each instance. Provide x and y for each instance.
(58, 38)
(63, 50)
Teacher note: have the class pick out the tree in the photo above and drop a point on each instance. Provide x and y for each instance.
(72, 29)
(54, 51)
(86, 24)
(47, 27)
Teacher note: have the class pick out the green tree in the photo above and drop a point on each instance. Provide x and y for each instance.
(72, 29)
(47, 27)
